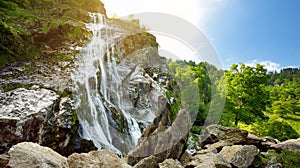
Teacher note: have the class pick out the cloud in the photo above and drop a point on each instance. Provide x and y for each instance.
(269, 65)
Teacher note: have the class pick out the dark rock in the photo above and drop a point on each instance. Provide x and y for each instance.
(24, 114)
(167, 144)
(4, 159)
(215, 133)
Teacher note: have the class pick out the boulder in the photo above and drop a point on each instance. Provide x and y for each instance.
(291, 145)
(24, 114)
(215, 133)
(170, 163)
(102, 158)
(208, 160)
(28, 154)
(239, 155)
(164, 145)
(148, 162)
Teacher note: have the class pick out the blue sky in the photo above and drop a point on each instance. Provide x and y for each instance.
(249, 31)
(261, 30)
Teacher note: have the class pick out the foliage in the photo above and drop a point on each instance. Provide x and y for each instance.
(288, 159)
(27, 26)
(246, 94)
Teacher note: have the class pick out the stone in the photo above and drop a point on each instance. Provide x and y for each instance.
(215, 133)
(24, 114)
(208, 160)
(28, 154)
(164, 145)
(273, 164)
(291, 145)
(4, 159)
(148, 162)
(239, 155)
(93, 159)
(170, 163)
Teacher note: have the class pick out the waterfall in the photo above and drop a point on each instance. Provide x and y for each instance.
(98, 86)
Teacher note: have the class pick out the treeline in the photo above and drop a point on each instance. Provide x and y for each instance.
(267, 104)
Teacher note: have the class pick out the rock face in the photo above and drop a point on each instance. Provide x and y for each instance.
(27, 154)
(36, 115)
(24, 114)
(238, 155)
(291, 145)
(164, 145)
(102, 158)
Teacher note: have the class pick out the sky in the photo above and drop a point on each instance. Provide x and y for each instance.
(249, 31)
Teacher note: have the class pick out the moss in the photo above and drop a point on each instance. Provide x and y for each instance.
(12, 87)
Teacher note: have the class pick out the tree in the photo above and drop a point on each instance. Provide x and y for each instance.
(246, 94)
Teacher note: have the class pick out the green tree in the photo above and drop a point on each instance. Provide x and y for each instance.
(246, 94)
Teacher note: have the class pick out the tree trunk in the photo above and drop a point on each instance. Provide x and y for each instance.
(236, 122)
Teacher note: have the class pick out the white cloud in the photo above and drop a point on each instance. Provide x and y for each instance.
(269, 65)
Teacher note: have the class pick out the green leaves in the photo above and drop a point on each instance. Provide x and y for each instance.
(246, 93)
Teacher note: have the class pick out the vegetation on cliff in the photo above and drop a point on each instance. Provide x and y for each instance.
(31, 29)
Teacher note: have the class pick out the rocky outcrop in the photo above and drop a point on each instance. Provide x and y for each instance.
(102, 158)
(291, 145)
(24, 114)
(164, 145)
(37, 115)
(239, 156)
(27, 154)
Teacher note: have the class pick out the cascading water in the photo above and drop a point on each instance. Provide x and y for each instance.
(100, 108)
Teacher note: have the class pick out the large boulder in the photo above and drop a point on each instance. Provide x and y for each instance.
(28, 154)
(239, 155)
(170, 163)
(164, 145)
(148, 162)
(24, 114)
(291, 145)
(37, 115)
(208, 160)
(93, 159)
(215, 133)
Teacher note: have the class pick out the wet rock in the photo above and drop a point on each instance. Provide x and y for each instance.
(170, 163)
(291, 145)
(215, 133)
(148, 162)
(102, 158)
(24, 114)
(164, 145)
(238, 155)
(28, 154)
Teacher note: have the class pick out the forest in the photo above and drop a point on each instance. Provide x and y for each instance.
(264, 103)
